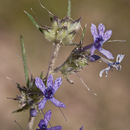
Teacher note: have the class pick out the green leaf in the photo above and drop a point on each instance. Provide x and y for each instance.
(69, 8)
(24, 59)
(33, 20)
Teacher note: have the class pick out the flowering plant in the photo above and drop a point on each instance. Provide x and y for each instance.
(39, 90)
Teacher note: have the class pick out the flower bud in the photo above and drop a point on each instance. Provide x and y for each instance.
(33, 112)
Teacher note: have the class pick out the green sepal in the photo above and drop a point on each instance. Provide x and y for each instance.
(33, 21)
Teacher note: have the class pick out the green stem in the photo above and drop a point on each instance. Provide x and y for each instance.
(24, 58)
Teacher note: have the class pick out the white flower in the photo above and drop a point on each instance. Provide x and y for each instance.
(111, 65)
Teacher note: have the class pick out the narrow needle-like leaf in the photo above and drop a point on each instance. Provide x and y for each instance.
(32, 19)
(69, 8)
(83, 33)
(24, 58)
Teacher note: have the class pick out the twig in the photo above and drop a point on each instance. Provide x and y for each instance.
(53, 58)
(30, 123)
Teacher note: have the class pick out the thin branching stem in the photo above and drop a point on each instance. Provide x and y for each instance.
(53, 58)
(30, 123)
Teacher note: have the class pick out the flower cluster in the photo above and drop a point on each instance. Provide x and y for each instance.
(62, 30)
(40, 90)
(44, 90)
(82, 55)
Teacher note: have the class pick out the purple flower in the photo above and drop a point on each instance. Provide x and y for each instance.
(33, 112)
(44, 123)
(100, 37)
(49, 91)
(81, 128)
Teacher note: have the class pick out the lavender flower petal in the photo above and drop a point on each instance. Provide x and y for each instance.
(42, 103)
(104, 70)
(39, 83)
(50, 81)
(106, 53)
(47, 117)
(119, 58)
(111, 64)
(57, 103)
(94, 31)
(55, 128)
(101, 29)
(107, 35)
(92, 50)
(57, 83)
(41, 123)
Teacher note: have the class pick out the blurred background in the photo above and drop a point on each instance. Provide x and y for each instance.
(110, 110)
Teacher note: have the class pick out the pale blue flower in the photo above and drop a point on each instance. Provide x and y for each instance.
(111, 64)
